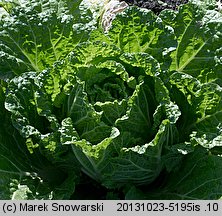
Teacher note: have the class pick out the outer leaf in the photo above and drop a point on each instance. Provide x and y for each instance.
(24, 175)
(36, 34)
(139, 30)
(198, 178)
(36, 121)
(95, 158)
(205, 104)
(198, 32)
(22, 92)
(208, 127)
(207, 4)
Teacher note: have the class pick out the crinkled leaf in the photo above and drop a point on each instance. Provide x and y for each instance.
(199, 178)
(204, 101)
(139, 164)
(111, 111)
(86, 119)
(36, 34)
(24, 175)
(21, 102)
(142, 63)
(33, 116)
(93, 52)
(208, 131)
(138, 119)
(140, 30)
(198, 33)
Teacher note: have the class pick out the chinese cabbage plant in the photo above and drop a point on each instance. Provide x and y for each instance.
(137, 109)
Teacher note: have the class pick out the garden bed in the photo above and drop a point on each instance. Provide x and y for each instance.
(157, 6)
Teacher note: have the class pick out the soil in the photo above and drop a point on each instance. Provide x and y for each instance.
(156, 5)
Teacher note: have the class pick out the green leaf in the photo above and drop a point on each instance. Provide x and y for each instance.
(104, 75)
(136, 107)
(86, 119)
(143, 63)
(198, 33)
(140, 30)
(205, 105)
(22, 100)
(36, 34)
(24, 175)
(33, 116)
(111, 111)
(208, 131)
(139, 164)
(138, 119)
(94, 158)
(93, 52)
(199, 178)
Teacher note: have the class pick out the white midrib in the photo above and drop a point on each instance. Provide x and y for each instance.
(34, 66)
(176, 56)
(181, 68)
